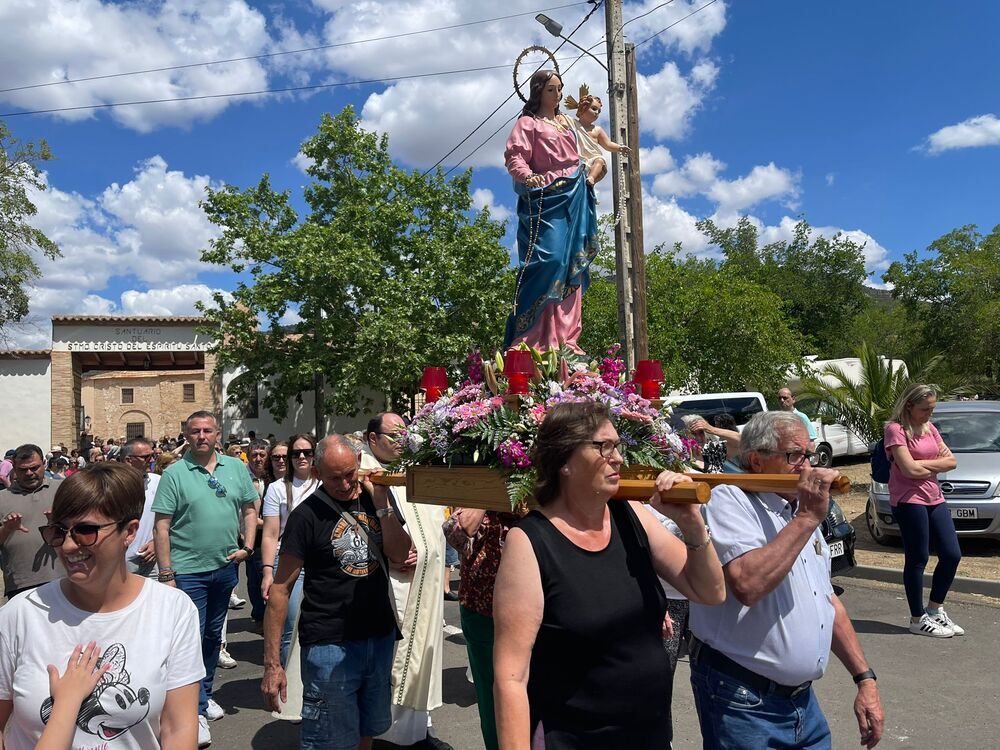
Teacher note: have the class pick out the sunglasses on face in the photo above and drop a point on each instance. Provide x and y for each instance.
(279, 458)
(219, 487)
(84, 534)
(301, 453)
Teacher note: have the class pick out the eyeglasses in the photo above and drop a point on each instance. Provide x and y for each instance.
(140, 456)
(301, 453)
(607, 448)
(279, 458)
(796, 458)
(84, 534)
(219, 487)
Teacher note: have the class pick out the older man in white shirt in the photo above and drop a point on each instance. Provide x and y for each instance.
(754, 657)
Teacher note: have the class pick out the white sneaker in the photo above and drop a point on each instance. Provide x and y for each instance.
(941, 618)
(204, 736)
(225, 660)
(213, 712)
(235, 602)
(930, 627)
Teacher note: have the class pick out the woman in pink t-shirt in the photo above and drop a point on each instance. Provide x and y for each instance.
(917, 456)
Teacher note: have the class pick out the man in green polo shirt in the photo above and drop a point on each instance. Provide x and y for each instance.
(199, 506)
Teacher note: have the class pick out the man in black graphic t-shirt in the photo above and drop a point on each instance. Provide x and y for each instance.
(341, 535)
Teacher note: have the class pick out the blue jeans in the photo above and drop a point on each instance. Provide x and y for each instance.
(255, 576)
(734, 716)
(346, 692)
(210, 593)
(294, 604)
(919, 525)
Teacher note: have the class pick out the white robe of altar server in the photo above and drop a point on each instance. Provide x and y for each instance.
(418, 663)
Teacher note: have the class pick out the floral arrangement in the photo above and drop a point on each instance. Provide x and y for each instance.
(476, 425)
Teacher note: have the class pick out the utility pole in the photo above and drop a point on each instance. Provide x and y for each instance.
(638, 253)
(619, 107)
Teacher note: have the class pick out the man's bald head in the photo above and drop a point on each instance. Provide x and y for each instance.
(337, 463)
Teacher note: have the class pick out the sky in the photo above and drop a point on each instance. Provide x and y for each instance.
(879, 120)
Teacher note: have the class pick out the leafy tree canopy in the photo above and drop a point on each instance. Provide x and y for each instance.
(954, 293)
(20, 173)
(820, 280)
(390, 271)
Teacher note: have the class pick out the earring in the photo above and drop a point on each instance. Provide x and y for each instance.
(565, 470)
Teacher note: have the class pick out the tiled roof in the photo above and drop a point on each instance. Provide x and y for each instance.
(131, 319)
(25, 353)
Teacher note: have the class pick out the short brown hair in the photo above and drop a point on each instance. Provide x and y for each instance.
(114, 490)
(565, 428)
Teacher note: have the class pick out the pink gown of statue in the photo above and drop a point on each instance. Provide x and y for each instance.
(537, 147)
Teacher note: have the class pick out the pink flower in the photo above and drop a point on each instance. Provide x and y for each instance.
(513, 454)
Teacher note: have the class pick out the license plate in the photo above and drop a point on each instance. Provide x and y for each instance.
(836, 549)
(964, 512)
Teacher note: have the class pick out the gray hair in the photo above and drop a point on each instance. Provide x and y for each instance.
(202, 414)
(690, 419)
(334, 441)
(129, 448)
(764, 431)
(258, 445)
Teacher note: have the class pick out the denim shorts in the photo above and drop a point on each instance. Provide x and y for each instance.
(346, 692)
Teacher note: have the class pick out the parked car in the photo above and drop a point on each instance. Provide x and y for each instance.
(837, 531)
(972, 490)
(741, 406)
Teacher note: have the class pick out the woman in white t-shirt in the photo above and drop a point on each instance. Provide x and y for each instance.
(146, 694)
(280, 499)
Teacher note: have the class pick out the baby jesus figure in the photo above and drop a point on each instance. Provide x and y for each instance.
(591, 138)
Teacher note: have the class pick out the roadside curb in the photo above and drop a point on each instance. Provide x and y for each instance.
(982, 586)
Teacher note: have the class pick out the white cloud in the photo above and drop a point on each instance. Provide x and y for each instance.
(763, 183)
(697, 175)
(302, 162)
(150, 228)
(68, 39)
(983, 130)
(830, 178)
(483, 198)
(876, 255)
(655, 160)
(668, 100)
(177, 300)
(666, 223)
(700, 175)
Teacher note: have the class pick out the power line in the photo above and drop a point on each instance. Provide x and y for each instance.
(285, 52)
(200, 97)
(501, 104)
(667, 28)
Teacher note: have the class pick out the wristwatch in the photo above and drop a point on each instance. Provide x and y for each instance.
(383, 512)
(248, 550)
(868, 674)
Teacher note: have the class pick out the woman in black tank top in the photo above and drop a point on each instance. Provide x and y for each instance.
(579, 656)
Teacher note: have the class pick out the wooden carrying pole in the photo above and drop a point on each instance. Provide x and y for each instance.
(492, 494)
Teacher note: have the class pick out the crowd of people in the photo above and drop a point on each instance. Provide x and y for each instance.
(573, 613)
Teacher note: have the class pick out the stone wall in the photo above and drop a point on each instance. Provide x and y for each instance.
(158, 400)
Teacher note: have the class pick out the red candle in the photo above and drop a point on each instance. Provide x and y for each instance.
(434, 382)
(649, 375)
(518, 367)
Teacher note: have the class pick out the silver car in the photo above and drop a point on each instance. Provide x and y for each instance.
(972, 490)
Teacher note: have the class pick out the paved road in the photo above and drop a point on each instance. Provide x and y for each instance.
(937, 693)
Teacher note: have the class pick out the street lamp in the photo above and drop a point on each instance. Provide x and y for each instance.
(555, 29)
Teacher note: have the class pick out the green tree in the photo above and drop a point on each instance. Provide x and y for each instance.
(865, 404)
(711, 328)
(389, 271)
(954, 293)
(19, 241)
(820, 280)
